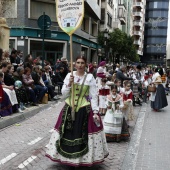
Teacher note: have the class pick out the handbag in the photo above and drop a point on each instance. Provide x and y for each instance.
(151, 88)
(45, 99)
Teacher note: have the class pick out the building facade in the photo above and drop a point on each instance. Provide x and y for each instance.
(139, 24)
(25, 34)
(116, 14)
(156, 31)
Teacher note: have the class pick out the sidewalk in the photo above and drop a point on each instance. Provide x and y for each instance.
(149, 148)
(29, 112)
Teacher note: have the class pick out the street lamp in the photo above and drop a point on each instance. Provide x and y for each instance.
(106, 37)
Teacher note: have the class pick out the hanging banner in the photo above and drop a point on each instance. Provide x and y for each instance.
(70, 14)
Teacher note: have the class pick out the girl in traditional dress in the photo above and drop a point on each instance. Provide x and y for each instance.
(101, 73)
(158, 98)
(116, 129)
(103, 92)
(128, 103)
(119, 88)
(78, 138)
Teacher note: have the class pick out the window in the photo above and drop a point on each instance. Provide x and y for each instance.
(102, 16)
(109, 20)
(98, 2)
(94, 28)
(85, 25)
(38, 7)
(155, 4)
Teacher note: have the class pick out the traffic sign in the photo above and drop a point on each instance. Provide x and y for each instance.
(47, 33)
(44, 22)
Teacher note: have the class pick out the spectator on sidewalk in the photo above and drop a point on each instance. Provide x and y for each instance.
(40, 86)
(5, 57)
(120, 75)
(20, 91)
(59, 80)
(29, 85)
(47, 82)
(18, 73)
(9, 89)
(19, 59)
(13, 57)
(5, 104)
(64, 64)
(28, 62)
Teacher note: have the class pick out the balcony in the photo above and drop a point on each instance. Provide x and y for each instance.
(116, 23)
(137, 23)
(122, 3)
(138, 14)
(137, 33)
(122, 14)
(138, 4)
(137, 42)
(93, 8)
(122, 20)
(139, 52)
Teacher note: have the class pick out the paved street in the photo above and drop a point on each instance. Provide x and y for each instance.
(23, 145)
(154, 148)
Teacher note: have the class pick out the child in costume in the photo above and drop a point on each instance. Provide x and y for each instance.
(115, 125)
(103, 92)
(128, 103)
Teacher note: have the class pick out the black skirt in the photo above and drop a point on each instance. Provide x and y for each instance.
(74, 134)
(160, 98)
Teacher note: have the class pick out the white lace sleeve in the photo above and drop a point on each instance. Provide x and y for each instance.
(66, 89)
(93, 94)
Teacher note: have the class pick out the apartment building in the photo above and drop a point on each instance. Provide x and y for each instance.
(155, 44)
(25, 34)
(139, 24)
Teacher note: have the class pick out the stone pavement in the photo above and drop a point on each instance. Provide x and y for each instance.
(18, 117)
(23, 145)
(151, 150)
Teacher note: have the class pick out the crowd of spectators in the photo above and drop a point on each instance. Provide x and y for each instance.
(23, 81)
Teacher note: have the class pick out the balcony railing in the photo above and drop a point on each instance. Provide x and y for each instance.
(137, 42)
(137, 33)
(138, 14)
(116, 23)
(122, 20)
(138, 4)
(137, 23)
(139, 52)
(122, 14)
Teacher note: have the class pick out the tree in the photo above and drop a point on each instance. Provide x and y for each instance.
(121, 44)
